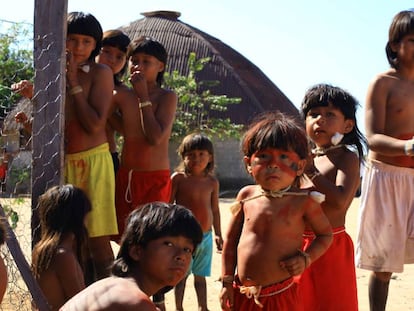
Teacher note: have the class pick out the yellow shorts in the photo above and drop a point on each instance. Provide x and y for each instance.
(93, 172)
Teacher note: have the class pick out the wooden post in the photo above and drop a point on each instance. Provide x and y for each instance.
(50, 23)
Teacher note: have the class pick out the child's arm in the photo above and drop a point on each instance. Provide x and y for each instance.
(91, 109)
(229, 259)
(321, 227)
(69, 273)
(156, 125)
(24, 88)
(175, 177)
(375, 116)
(339, 192)
(216, 215)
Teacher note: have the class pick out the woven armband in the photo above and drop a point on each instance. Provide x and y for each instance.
(145, 104)
(75, 90)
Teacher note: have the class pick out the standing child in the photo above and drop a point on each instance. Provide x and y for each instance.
(148, 113)
(330, 115)
(195, 187)
(264, 238)
(386, 228)
(113, 54)
(155, 252)
(88, 161)
(58, 258)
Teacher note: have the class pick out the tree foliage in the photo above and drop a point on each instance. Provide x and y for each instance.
(196, 102)
(16, 63)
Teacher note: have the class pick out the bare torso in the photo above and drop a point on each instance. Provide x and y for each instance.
(272, 232)
(196, 193)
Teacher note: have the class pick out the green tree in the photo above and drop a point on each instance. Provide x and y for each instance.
(196, 102)
(16, 62)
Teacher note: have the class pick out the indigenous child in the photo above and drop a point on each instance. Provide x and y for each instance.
(155, 252)
(330, 115)
(387, 196)
(195, 187)
(113, 54)
(3, 268)
(58, 258)
(148, 113)
(264, 238)
(88, 162)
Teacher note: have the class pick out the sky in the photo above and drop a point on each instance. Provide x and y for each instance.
(295, 43)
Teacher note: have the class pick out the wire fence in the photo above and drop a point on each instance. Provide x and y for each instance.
(31, 160)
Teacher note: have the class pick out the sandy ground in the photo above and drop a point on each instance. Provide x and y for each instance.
(401, 292)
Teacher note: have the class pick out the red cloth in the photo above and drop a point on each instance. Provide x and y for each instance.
(329, 284)
(145, 187)
(286, 300)
(3, 171)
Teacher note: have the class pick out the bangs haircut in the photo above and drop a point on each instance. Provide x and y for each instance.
(86, 24)
(197, 141)
(153, 221)
(402, 25)
(275, 130)
(149, 46)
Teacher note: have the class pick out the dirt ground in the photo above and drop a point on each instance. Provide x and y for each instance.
(401, 292)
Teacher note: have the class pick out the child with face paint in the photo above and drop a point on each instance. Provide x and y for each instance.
(264, 237)
(334, 170)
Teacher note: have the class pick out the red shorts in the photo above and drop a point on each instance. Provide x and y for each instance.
(329, 283)
(134, 188)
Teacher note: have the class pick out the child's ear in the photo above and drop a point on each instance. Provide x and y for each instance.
(301, 167)
(135, 251)
(349, 125)
(246, 161)
(161, 67)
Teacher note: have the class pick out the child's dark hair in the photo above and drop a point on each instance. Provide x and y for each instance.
(117, 39)
(321, 95)
(402, 25)
(86, 24)
(196, 141)
(153, 221)
(3, 230)
(275, 130)
(151, 47)
(62, 209)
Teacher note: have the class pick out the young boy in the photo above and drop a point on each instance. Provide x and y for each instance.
(264, 238)
(88, 161)
(385, 234)
(155, 252)
(195, 187)
(148, 113)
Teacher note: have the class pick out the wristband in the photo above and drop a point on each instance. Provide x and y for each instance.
(409, 147)
(306, 256)
(75, 90)
(227, 279)
(144, 104)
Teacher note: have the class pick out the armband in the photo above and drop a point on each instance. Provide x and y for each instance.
(312, 175)
(144, 104)
(409, 147)
(75, 90)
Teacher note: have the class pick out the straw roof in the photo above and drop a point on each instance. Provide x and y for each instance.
(238, 76)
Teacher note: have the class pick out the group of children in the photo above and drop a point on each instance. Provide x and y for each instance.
(286, 246)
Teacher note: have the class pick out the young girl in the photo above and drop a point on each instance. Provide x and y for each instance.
(113, 54)
(330, 115)
(59, 256)
(265, 232)
(195, 187)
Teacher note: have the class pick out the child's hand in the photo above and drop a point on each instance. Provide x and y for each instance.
(226, 298)
(294, 265)
(219, 243)
(24, 88)
(71, 70)
(139, 82)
